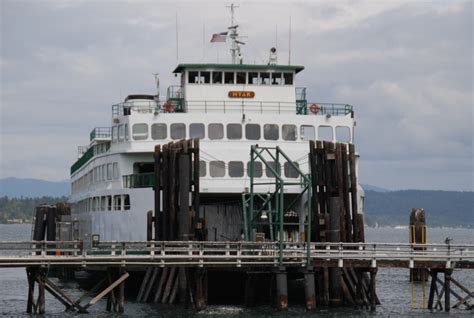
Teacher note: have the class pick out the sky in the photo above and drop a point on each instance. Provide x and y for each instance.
(405, 66)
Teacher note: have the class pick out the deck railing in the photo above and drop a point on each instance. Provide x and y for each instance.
(101, 133)
(140, 180)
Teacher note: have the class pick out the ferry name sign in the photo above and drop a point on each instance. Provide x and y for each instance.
(241, 94)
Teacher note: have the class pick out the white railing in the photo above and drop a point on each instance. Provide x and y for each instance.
(195, 253)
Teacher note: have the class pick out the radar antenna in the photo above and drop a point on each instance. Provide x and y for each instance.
(157, 82)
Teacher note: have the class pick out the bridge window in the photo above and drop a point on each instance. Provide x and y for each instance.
(343, 133)
(202, 168)
(178, 131)
(103, 203)
(288, 132)
(126, 132)
(290, 171)
(205, 77)
(252, 131)
(140, 131)
(196, 131)
(193, 77)
(117, 202)
(264, 78)
(325, 133)
(307, 132)
(114, 134)
(216, 77)
(158, 131)
(109, 171)
(234, 131)
(276, 79)
(253, 78)
(217, 168)
(270, 132)
(257, 169)
(215, 131)
(116, 170)
(229, 77)
(287, 78)
(241, 77)
(236, 169)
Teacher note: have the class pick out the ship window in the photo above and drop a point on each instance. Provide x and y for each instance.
(343, 133)
(114, 133)
(257, 169)
(307, 132)
(217, 168)
(252, 131)
(268, 172)
(158, 131)
(288, 78)
(288, 132)
(216, 77)
(116, 171)
(264, 78)
(140, 131)
(109, 171)
(290, 171)
(229, 77)
(103, 203)
(117, 202)
(270, 132)
(276, 78)
(241, 77)
(202, 168)
(121, 133)
(196, 131)
(253, 78)
(234, 131)
(325, 133)
(215, 131)
(109, 202)
(126, 202)
(126, 131)
(205, 77)
(193, 77)
(103, 172)
(178, 131)
(236, 169)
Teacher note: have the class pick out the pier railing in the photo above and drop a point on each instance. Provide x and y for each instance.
(236, 254)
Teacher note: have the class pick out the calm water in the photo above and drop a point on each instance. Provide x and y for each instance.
(393, 287)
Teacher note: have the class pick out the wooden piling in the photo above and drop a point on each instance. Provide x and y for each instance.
(41, 295)
(310, 292)
(282, 289)
(447, 289)
(157, 173)
(373, 297)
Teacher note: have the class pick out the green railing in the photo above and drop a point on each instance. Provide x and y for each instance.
(140, 180)
(323, 109)
(100, 132)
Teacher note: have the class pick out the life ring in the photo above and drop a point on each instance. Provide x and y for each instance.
(168, 107)
(314, 108)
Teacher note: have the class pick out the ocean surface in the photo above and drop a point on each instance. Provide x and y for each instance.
(393, 287)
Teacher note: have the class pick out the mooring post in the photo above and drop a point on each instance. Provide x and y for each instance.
(30, 273)
(447, 289)
(282, 289)
(121, 300)
(41, 299)
(201, 300)
(335, 236)
(373, 294)
(184, 223)
(309, 289)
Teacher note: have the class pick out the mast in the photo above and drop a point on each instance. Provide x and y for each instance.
(235, 45)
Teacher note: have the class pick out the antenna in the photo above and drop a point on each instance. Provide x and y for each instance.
(177, 56)
(235, 48)
(157, 82)
(289, 43)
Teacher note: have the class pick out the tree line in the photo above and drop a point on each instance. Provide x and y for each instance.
(23, 207)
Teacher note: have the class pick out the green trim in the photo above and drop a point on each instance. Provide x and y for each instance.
(250, 67)
(86, 157)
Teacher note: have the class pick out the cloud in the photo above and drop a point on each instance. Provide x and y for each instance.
(405, 66)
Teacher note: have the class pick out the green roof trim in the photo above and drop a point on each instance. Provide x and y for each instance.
(251, 67)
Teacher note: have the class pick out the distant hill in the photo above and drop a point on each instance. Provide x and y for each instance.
(368, 187)
(443, 208)
(31, 188)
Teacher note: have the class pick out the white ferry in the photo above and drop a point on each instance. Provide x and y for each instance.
(229, 107)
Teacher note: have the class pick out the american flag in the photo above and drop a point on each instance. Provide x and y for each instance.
(219, 37)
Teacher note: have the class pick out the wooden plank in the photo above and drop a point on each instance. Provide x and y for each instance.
(174, 292)
(150, 284)
(107, 290)
(169, 285)
(144, 284)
